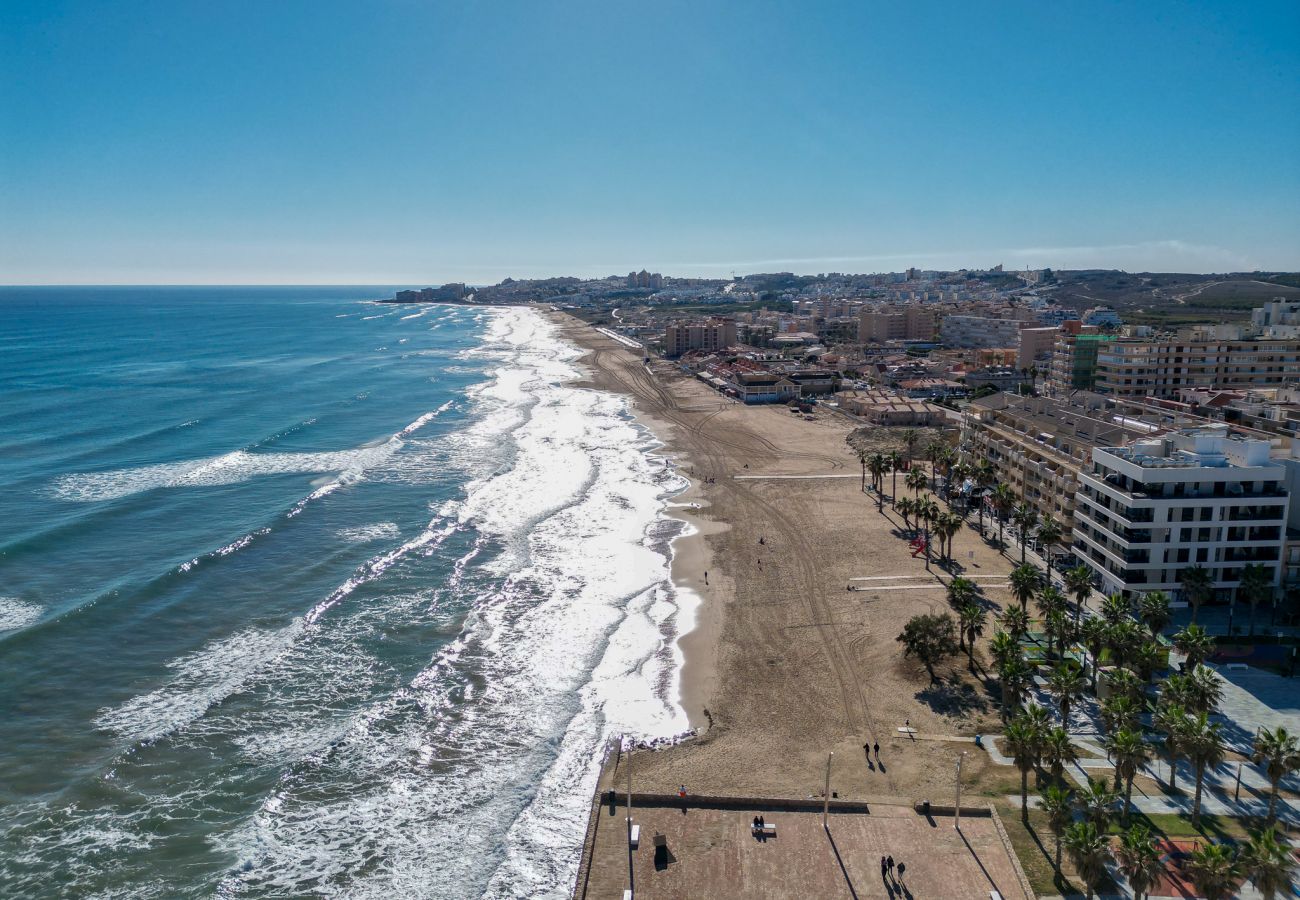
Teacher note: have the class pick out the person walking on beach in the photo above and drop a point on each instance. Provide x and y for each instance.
(884, 868)
(876, 748)
(901, 869)
(889, 861)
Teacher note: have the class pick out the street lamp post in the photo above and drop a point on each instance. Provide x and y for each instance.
(956, 822)
(826, 797)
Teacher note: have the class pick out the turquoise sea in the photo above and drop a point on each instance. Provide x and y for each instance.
(304, 595)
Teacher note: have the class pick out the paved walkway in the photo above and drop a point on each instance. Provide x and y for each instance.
(1216, 795)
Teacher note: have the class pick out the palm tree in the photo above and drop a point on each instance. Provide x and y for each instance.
(910, 438)
(1089, 850)
(1279, 753)
(1128, 751)
(1059, 630)
(1194, 643)
(1024, 580)
(1119, 711)
(1003, 499)
(1170, 719)
(1198, 585)
(970, 625)
(1256, 585)
(1050, 599)
(1154, 611)
(1058, 752)
(1201, 690)
(1139, 860)
(916, 480)
(1023, 741)
(863, 456)
(1078, 581)
(1050, 535)
(985, 475)
(961, 591)
(1094, 634)
(895, 463)
(1268, 863)
(1066, 682)
(1124, 637)
(1124, 683)
(1203, 744)
(1114, 609)
(1016, 621)
(1147, 658)
(1003, 647)
(1015, 676)
(1058, 803)
(1214, 871)
(1097, 803)
(935, 452)
(878, 465)
(905, 509)
(946, 528)
(1026, 517)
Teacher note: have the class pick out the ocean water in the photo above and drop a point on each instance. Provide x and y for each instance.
(303, 595)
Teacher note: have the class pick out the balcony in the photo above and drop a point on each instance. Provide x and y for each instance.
(1251, 554)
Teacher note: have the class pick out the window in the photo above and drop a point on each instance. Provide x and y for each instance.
(1203, 554)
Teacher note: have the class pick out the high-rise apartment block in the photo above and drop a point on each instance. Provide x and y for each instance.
(1164, 368)
(713, 334)
(1147, 511)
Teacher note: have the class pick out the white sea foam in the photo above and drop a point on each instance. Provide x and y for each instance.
(472, 777)
(364, 534)
(577, 641)
(239, 466)
(16, 614)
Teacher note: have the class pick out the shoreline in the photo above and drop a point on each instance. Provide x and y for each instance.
(696, 673)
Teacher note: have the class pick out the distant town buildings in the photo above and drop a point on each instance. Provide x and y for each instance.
(452, 291)
(643, 279)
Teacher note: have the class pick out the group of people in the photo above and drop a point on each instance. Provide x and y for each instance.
(887, 870)
(759, 825)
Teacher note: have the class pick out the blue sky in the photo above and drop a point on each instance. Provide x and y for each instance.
(411, 141)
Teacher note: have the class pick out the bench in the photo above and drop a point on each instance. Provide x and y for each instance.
(768, 829)
(634, 837)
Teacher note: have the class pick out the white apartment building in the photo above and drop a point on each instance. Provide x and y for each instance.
(1199, 497)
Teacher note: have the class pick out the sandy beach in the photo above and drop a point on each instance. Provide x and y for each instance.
(789, 662)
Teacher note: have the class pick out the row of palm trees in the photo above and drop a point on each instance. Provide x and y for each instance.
(1126, 635)
(1215, 869)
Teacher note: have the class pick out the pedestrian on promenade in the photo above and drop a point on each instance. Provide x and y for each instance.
(901, 869)
(884, 867)
(889, 861)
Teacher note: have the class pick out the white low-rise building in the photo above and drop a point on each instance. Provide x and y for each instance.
(1147, 511)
